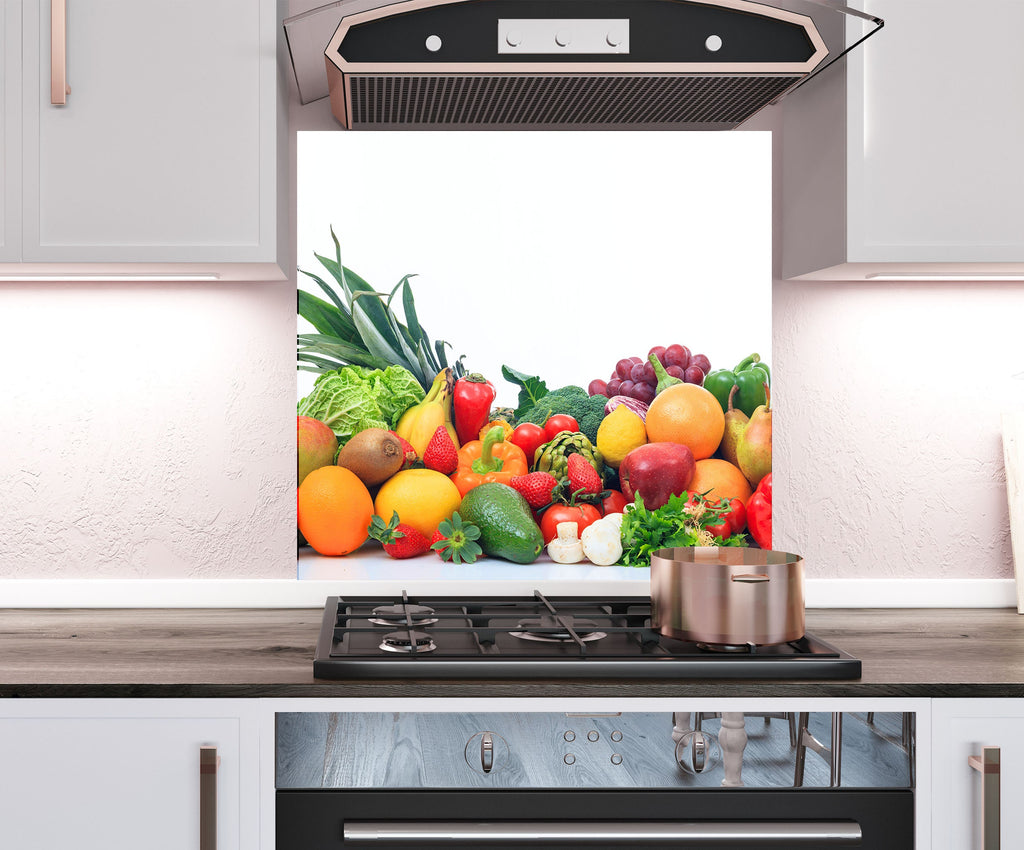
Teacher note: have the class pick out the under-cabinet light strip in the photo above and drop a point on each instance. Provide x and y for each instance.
(104, 277)
(946, 276)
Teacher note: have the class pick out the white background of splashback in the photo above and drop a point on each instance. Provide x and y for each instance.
(555, 253)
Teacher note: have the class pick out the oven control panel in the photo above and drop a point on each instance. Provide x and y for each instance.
(541, 749)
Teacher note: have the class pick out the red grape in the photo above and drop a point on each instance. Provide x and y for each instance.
(626, 388)
(644, 393)
(636, 374)
(649, 377)
(637, 359)
(677, 355)
(613, 387)
(597, 387)
(659, 352)
(622, 368)
(701, 362)
(615, 375)
(693, 375)
(676, 372)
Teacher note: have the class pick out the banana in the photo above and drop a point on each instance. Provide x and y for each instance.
(419, 422)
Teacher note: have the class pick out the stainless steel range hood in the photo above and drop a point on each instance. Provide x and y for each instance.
(675, 64)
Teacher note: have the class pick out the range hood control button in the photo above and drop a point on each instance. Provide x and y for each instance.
(614, 39)
(713, 43)
(513, 38)
(433, 43)
(563, 38)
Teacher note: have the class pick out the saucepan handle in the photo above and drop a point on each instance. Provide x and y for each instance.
(751, 578)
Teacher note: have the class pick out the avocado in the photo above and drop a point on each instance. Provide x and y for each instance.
(507, 529)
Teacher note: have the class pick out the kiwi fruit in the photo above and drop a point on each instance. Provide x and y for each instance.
(374, 455)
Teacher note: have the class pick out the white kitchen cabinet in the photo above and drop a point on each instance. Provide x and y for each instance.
(170, 153)
(905, 158)
(125, 774)
(10, 130)
(960, 728)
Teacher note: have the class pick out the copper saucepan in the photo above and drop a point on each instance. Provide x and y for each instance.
(727, 595)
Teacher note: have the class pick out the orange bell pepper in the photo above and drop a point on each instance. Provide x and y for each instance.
(488, 460)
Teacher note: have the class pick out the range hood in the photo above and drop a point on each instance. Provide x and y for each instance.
(674, 64)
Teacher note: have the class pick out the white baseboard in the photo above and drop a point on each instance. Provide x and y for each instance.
(311, 593)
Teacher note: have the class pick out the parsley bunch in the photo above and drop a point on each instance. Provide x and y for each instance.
(682, 521)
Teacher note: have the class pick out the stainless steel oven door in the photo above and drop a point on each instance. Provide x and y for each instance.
(549, 819)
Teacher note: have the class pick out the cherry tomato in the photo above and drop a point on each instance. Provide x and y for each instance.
(558, 423)
(582, 515)
(613, 503)
(733, 522)
(529, 438)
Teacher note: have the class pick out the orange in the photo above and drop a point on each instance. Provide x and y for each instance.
(334, 510)
(422, 497)
(723, 479)
(687, 414)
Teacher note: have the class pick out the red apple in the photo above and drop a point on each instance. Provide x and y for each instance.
(656, 471)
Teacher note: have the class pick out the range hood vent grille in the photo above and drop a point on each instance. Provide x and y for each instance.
(389, 100)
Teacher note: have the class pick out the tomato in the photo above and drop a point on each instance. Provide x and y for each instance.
(582, 515)
(613, 503)
(529, 438)
(558, 423)
(733, 522)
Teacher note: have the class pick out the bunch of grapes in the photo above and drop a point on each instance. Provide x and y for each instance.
(634, 376)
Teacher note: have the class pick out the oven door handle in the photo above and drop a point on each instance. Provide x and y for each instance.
(683, 834)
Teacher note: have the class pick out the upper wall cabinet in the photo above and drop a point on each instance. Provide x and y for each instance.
(169, 152)
(905, 159)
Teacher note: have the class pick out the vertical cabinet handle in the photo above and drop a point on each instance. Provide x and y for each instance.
(208, 763)
(59, 88)
(987, 764)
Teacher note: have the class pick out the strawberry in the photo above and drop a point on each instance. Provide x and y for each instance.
(399, 539)
(456, 541)
(410, 452)
(582, 476)
(535, 487)
(441, 454)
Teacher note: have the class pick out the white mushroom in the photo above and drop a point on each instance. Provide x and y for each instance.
(565, 547)
(602, 541)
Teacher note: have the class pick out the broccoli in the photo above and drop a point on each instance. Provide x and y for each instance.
(587, 410)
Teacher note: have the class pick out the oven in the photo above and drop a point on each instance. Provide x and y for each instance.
(535, 779)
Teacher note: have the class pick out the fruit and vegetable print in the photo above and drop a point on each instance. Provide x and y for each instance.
(404, 444)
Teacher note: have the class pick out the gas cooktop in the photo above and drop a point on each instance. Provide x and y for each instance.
(536, 637)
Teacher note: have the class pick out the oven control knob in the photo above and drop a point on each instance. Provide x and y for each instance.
(697, 752)
(486, 752)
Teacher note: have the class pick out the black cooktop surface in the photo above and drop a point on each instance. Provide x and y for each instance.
(540, 637)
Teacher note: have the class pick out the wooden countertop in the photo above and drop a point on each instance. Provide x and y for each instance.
(269, 653)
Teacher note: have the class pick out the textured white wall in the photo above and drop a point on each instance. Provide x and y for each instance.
(147, 430)
(888, 443)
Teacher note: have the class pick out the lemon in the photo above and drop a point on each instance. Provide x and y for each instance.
(620, 432)
(422, 497)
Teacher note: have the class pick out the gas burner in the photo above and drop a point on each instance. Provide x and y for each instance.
(409, 641)
(586, 630)
(748, 648)
(402, 615)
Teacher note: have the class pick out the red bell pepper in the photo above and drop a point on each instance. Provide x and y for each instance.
(471, 406)
(759, 513)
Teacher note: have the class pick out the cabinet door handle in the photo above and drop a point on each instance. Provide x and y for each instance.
(59, 88)
(208, 763)
(987, 764)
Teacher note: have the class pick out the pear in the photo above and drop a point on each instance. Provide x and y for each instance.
(735, 424)
(754, 448)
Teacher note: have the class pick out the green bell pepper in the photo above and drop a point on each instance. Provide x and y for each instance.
(749, 377)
